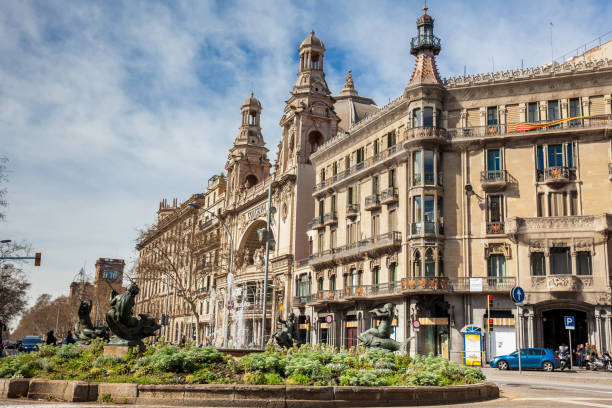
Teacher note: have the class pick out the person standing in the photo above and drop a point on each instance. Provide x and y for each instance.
(69, 338)
(580, 354)
(50, 338)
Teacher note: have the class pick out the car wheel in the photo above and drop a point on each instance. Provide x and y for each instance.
(548, 366)
(502, 365)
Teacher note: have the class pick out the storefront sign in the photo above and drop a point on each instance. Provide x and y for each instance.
(475, 284)
(472, 350)
(256, 212)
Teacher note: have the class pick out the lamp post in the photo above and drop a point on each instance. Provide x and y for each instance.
(269, 241)
(166, 306)
(230, 275)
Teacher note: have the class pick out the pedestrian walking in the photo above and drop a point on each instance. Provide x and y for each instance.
(69, 338)
(50, 338)
(580, 354)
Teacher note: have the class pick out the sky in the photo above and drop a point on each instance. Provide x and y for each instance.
(107, 107)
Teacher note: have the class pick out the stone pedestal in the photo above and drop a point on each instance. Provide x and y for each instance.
(119, 351)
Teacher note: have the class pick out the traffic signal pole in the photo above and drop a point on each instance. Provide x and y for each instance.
(36, 258)
(489, 298)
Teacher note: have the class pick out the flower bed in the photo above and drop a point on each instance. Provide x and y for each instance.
(306, 365)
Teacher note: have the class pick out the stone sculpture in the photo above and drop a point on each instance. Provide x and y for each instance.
(84, 328)
(285, 337)
(380, 337)
(127, 329)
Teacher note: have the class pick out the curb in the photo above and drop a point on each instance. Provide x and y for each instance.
(273, 396)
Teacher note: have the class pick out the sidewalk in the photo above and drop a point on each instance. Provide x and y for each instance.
(577, 375)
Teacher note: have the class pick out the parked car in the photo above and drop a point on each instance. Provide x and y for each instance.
(30, 343)
(65, 341)
(531, 358)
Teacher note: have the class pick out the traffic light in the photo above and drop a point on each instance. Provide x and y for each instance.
(37, 257)
(489, 301)
(490, 325)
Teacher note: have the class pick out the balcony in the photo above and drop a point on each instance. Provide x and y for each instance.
(389, 196)
(322, 258)
(352, 210)
(455, 284)
(494, 180)
(557, 175)
(354, 171)
(424, 41)
(372, 202)
(574, 126)
(495, 227)
(316, 223)
(208, 223)
(302, 300)
(425, 132)
(330, 218)
(427, 228)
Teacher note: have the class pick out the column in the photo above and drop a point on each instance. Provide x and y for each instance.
(522, 112)
(530, 328)
(543, 113)
(564, 111)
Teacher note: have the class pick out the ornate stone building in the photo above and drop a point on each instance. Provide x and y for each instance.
(458, 189)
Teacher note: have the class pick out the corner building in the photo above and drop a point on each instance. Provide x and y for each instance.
(460, 189)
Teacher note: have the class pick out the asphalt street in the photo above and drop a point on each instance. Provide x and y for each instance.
(526, 389)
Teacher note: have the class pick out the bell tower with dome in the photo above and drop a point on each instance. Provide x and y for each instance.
(248, 163)
(309, 119)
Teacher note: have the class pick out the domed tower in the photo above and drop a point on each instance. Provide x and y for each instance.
(309, 119)
(425, 138)
(247, 163)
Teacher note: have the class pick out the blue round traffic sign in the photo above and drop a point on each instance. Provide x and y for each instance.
(517, 294)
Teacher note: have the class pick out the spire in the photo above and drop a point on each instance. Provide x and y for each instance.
(349, 86)
(250, 130)
(425, 46)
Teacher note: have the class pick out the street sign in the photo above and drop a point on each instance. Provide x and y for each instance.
(475, 284)
(416, 324)
(230, 304)
(570, 322)
(329, 319)
(517, 294)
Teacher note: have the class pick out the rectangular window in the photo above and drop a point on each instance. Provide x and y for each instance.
(375, 185)
(573, 203)
(428, 117)
(560, 261)
(376, 275)
(375, 225)
(322, 174)
(333, 204)
(497, 265)
(320, 284)
(321, 242)
(555, 155)
(349, 195)
(556, 204)
(335, 168)
(416, 118)
(391, 178)
(553, 111)
(429, 209)
(359, 155)
(390, 139)
(332, 238)
(583, 263)
(493, 160)
(575, 110)
(332, 282)
(540, 158)
(416, 168)
(495, 208)
(492, 118)
(570, 155)
(541, 205)
(347, 162)
(537, 264)
(375, 147)
(321, 208)
(393, 221)
(428, 167)
(416, 209)
(533, 112)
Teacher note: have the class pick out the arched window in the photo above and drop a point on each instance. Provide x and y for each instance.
(332, 282)
(430, 264)
(250, 181)
(416, 264)
(320, 284)
(315, 139)
(393, 272)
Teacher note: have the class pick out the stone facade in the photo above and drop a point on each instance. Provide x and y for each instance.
(458, 189)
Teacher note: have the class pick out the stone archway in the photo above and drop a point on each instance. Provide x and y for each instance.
(251, 248)
(547, 328)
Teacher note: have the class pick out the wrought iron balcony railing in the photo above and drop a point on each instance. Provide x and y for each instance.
(557, 174)
(427, 228)
(330, 218)
(352, 210)
(389, 195)
(372, 202)
(496, 227)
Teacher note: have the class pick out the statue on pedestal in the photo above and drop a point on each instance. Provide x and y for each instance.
(127, 329)
(84, 328)
(380, 337)
(285, 337)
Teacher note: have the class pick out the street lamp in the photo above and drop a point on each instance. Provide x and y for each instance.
(230, 275)
(166, 306)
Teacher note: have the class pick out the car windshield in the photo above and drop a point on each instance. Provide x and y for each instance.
(32, 341)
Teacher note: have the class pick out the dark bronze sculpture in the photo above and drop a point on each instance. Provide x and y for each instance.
(285, 337)
(127, 329)
(84, 328)
(380, 337)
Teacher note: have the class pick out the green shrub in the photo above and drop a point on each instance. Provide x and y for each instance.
(107, 361)
(254, 378)
(299, 379)
(375, 356)
(67, 352)
(473, 374)
(267, 362)
(362, 377)
(425, 378)
(48, 350)
(302, 364)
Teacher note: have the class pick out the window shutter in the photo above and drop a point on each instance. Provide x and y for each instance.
(597, 105)
(513, 114)
(454, 119)
(473, 117)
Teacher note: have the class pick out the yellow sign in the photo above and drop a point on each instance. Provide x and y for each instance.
(472, 353)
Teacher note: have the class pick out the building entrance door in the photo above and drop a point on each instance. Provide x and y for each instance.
(554, 332)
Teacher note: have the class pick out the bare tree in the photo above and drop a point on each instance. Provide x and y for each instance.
(13, 281)
(182, 258)
(3, 178)
(45, 315)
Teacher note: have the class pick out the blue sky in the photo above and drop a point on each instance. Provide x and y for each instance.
(107, 107)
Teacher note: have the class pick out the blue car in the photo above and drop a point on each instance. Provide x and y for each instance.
(30, 343)
(538, 358)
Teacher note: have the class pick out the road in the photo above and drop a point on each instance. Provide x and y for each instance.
(526, 389)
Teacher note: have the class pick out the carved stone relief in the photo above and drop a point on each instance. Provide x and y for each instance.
(501, 248)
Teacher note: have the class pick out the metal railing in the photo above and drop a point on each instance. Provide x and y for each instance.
(427, 228)
(302, 300)
(427, 179)
(425, 41)
(387, 239)
(595, 122)
(557, 173)
(496, 227)
(372, 201)
(316, 222)
(330, 218)
(368, 162)
(494, 176)
(422, 132)
(389, 195)
(352, 210)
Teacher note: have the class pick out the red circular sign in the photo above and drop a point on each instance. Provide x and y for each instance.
(230, 304)
(329, 319)
(416, 324)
